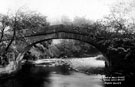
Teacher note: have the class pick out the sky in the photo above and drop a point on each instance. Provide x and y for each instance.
(55, 9)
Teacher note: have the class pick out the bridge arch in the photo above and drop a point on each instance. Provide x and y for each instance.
(61, 35)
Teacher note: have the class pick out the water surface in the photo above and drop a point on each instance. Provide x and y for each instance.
(40, 76)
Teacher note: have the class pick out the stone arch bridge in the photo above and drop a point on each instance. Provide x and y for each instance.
(62, 32)
(98, 38)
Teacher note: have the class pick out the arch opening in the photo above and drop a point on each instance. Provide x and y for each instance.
(27, 48)
(99, 58)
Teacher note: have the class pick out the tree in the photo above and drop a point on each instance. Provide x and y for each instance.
(119, 19)
(29, 23)
(6, 22)
(19, 25)
(3, 24)
(74, 48)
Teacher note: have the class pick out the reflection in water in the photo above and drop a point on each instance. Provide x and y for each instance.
(75, 80)
(27, 77)
(54, 80)
(60, 76)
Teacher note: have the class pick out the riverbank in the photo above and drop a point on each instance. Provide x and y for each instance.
(9, 70)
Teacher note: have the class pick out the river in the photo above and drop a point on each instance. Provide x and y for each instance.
(48, 76)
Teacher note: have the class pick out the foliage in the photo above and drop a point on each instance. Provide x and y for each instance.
(20, 24)
(31, 20)
(120, 18)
